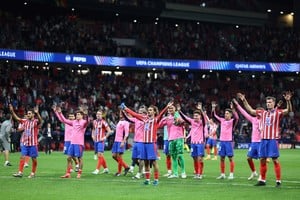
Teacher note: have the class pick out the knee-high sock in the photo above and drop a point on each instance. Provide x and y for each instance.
(34, 165)
(201, 167)
(156, 175)
(104, 162)
(100, 162)
(168, 162)
(196, 167)
(277, 169)
(251, 165)
(263, 170)
(21, 165)
(222, 166)
(231, 166)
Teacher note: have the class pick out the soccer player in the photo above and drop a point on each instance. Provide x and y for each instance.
(211, 143)
(67, 138)
(138, 141)
(118, 148)
(198, 136)
(29, 139)
(255, 139)
(149, 152)
(226, 149)
(77, 140)
(269, 127)
(100, 132)
(176, 141)
(5, 131)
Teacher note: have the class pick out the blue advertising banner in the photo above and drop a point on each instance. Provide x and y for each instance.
(64, 58)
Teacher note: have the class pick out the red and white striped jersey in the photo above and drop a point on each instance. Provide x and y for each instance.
(30, 134)
(269, 123)
(99, 129)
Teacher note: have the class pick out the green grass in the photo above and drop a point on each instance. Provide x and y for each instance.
(49, 185)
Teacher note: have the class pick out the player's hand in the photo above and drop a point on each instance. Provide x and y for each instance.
(178, 107)
(234, 101)
(170, 103)
(11, 108)
(241, 96)
(199, 106)
(122, 106)
(288, 95)
(36, 109)
(213, 105)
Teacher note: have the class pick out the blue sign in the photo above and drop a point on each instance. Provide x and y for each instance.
(51, 57)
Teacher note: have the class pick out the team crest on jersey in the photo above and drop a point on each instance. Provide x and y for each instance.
(268, 121)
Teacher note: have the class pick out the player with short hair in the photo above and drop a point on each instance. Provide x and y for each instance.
(149, 152)
(253, 151)
(269, 127)
(77, 140)
(138, 141)
(29, 139)
(211, 142)
(198, 136)
(226, 149)
(175, 128)
(100, 132)
(119, 145)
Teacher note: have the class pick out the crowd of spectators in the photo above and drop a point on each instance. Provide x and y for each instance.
(33, 85)
(164, 39)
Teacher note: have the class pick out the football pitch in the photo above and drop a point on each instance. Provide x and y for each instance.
(48, 185)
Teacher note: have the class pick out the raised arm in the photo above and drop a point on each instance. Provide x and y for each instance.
(160, 115)
(36, 111)
(213, 107)
(134, 114)
(287, 96)
(242, 111)
(182, 115)
(249, 109)
(14, 115)
(127, 118)
(61, 117)
(235, 114)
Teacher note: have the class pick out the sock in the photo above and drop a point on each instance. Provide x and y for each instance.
(21, 165)
(147, 175)
(231, 166)
(156, 175)
(34, 165)
(277, 169)
(168, 162)
(196, 167)
(99, 163)
(104, 162)
(222, 166)
(263, 170)
(251, 164)
(201, 167)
